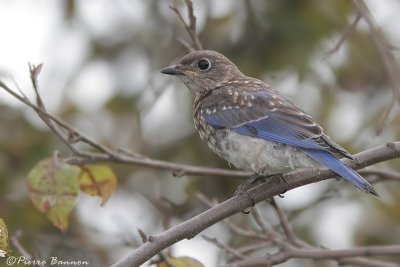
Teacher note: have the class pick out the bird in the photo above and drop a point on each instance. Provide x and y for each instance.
(254, 127)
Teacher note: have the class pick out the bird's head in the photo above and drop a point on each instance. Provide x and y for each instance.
(203, 70)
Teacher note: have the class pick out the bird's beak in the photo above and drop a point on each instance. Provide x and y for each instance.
(172, 70)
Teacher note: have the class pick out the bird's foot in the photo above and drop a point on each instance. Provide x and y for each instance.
(253, 202)
(242, 188)
(286, 183)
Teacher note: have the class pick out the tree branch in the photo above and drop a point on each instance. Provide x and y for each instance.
(238, 203)
(357, 261)
(73, 136)
(320, 254)
(289, 249)
(378, 175)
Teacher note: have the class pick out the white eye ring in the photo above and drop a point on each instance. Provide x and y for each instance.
(204, 64)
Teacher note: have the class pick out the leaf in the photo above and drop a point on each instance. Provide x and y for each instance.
(53, 185)
(4, 250)
(180, 262)
(98, 180)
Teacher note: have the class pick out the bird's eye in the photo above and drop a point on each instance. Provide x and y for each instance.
(203, 64)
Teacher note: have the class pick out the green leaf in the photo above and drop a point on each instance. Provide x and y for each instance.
(98, 180)
(53, 185)
(4, 249)
(180, 262)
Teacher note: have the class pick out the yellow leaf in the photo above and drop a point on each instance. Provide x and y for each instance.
(98, 180)
(53, 186)
(180, 262)
(3, 239)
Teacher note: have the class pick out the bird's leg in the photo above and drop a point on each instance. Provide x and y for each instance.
(248, 181)
(242, 188)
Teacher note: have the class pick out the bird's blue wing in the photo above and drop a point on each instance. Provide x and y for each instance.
(266, 114)
(274, 128)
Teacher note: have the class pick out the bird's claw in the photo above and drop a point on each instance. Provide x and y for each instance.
(242, 188)
(253, 202)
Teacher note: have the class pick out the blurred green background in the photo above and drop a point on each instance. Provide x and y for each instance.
(101, 74)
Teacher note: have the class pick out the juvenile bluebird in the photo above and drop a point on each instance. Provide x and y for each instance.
(251, 125)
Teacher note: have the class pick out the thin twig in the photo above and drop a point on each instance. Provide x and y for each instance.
(284, 222)
(390, 64)
(143, 235)
(177, 169)
(221, 245)
(20, 248)
(381, 175)
(236, 229)
(328, 194)
(384, 118)
(345, 34)
(266, 228)
(34, 73)
(185, 45)
(253, 247)
(358, 261)
(189, 27)
(110, 155)
(320, 254)
(203, 198)
(165, 259)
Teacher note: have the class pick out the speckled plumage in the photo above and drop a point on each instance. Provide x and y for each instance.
(251, 125)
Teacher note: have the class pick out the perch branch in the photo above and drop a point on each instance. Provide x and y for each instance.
(238, 203)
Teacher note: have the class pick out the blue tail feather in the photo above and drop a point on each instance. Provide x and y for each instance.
(341, 169)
